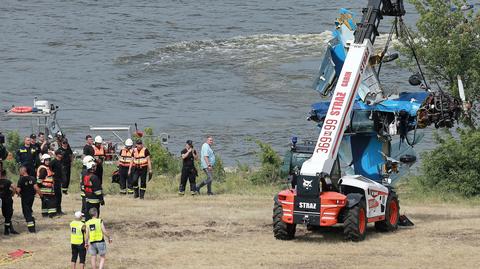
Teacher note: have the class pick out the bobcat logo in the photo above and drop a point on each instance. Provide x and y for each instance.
(307, 184)
(92, 227)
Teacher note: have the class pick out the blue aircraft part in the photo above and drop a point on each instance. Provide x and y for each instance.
(366, 157)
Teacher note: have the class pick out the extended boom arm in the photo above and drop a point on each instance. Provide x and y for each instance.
(338, 115)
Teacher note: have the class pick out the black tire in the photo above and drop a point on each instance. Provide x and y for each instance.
(355, 222)
(392, 215)
(282, 230)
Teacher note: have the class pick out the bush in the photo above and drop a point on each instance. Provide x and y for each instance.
(454, 166)
(163, 161)
(269, 171)
(13, 142)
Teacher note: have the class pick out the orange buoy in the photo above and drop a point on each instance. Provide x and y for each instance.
(21, 109)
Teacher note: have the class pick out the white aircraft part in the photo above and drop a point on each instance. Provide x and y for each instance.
(375, 193)
(370, 90)
(338, 115)
(461, 90)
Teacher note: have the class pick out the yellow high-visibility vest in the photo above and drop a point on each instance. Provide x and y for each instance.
(94, 227)
(76, 233)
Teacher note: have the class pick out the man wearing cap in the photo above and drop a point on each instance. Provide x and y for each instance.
(67, 160)
(77, 240)
(58, 176)
(34, 145)
(139, 166)
(27, 156)
(189, 155)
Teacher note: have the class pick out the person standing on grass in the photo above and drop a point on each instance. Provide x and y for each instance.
(95, 239)
(7, 190)
(27, 188)
(58, 177)
(189, 155)
(208, 161)
(77, 240)
(67, 160)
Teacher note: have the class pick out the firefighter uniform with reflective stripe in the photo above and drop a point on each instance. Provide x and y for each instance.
(99, 154)
(26, 184)
(28, 157)
(124, 160)
(93, 193)
(6, 203)
(46, 184)
(140, 169)
(82, 192)
(77, 239)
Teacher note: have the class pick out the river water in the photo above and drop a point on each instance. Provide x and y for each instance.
(233, 69)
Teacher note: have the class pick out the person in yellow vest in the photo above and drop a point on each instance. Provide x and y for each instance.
(95, 239)
(138, 169)
(99, 155)
(77, 239)
(124, 159)
(46, 184)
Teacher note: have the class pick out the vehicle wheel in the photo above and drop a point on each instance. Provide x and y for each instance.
(355, 222)
(392, 215)
(282, 230)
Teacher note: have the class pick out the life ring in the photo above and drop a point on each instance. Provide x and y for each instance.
(21, 109)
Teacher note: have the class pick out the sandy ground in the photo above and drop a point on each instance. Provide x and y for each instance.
(228, 231)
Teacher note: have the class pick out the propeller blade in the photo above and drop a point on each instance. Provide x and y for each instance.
(461, 90)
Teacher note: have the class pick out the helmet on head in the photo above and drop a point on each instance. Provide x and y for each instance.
(98, 139)
(87, 159)
(90, 165)
(44, 157)
(128, 142)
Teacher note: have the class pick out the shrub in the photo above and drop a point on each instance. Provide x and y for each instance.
(270, 161)
(454, 166)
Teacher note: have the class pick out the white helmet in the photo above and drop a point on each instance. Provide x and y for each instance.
(45, 157)
(90, 165)
(87, 159)
(98, 139)
(128, 142)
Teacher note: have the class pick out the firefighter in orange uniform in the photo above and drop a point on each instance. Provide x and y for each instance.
(99, 155)
(46, 184)
(124, 159)
(139, 167)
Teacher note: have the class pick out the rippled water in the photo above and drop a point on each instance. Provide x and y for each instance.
(234, 69)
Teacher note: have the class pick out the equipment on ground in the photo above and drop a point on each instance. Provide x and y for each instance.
(347, 175)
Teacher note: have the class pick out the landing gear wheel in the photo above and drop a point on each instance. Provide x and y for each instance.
(392, 215)
(282, 230)
(355, 222)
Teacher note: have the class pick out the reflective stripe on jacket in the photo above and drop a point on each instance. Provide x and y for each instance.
(126, 157)
(46, 184)
(139, 158)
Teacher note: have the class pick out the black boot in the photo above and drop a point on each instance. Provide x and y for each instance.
(142, 194)
(6, 230)
(135, 195)
(32, 229)
(12, 231)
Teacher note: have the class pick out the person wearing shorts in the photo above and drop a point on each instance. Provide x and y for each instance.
(95, 238)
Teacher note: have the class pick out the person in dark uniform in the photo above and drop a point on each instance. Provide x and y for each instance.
(46, 184)
(26, 189)
(88, 148)
(42, 144)
(27, 156)
(138, 169)
(34, 145)
(7, 190)
(93, 190)
(67, 161)
(58, 177)
(189, 155)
